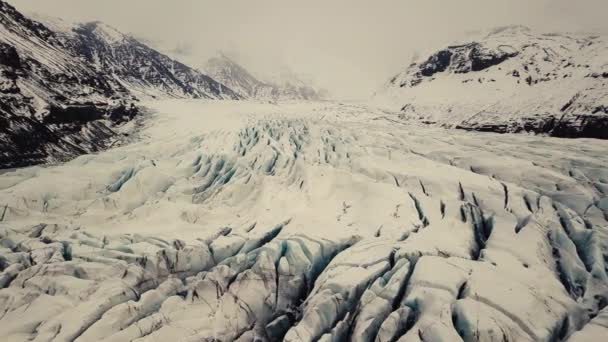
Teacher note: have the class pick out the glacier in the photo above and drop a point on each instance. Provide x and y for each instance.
(316, 221)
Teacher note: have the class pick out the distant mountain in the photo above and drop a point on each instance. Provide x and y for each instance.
(286, 86)
(63, 88)
(237, 78)
(512, 80)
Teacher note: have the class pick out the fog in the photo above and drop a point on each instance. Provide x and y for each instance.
(349, 47)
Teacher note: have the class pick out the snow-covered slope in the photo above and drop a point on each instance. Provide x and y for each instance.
(285, 86)
(237, 221)
(512, 80)
(237, 78)
(142, 70)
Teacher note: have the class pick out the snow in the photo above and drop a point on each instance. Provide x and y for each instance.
(544, 76)
(308, 221)
(108, 33)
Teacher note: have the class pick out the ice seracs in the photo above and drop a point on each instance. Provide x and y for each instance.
(239, 221)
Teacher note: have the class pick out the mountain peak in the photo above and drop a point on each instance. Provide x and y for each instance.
(509, 30)
(222, 61)
(284, 86)
(102, 31)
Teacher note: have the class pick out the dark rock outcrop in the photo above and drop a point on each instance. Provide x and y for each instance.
(436, 63)
(484, 58)
(9, 56)
(63, 134)
(568, 126)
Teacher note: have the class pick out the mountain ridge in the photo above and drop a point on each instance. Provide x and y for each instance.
(512, 80)
(147, 72)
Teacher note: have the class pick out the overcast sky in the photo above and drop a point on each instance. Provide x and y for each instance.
(348, 46)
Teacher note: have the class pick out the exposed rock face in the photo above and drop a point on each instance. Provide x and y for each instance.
(568, 126)
(9, 56)
(463, 59)
(436, 63)
(64, 133)
(513, 80)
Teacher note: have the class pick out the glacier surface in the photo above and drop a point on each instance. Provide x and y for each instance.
(242, 221)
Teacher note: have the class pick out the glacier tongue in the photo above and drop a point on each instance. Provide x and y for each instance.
(240, 221)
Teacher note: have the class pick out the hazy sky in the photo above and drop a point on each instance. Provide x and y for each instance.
(348, 46)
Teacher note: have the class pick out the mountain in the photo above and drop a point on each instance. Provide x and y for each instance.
(53, 106)
(284, 86)
(141, 69)
(63, 88)
(237, 77)
(512, 80)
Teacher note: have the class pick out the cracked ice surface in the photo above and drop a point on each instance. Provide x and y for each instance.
(307, 222)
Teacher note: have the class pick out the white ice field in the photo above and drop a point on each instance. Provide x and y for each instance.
(324, 221)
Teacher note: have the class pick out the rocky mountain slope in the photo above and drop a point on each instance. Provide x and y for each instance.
(285, 87)
(63, 89)
(510, 81)
(52, 105)
(141, 69)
